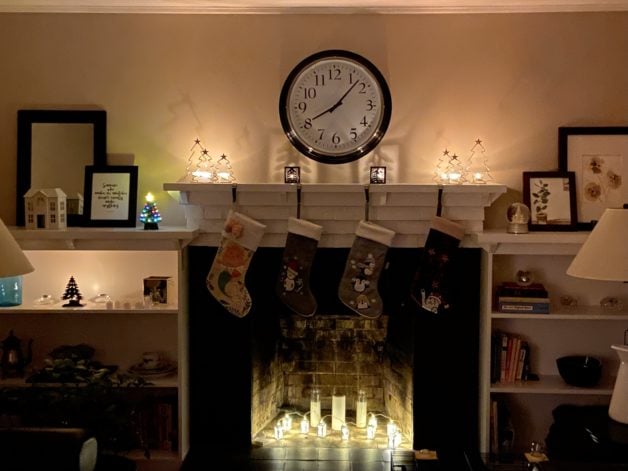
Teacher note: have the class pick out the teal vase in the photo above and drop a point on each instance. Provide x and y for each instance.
(11, 291)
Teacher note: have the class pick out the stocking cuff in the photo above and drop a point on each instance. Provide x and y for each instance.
(376, 233)
(451, 228)
(305, 228)
(243, 230)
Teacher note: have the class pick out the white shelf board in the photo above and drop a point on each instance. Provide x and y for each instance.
(109, 238)
(554, 384)
(90, 309)
(584, 313)
(309, 6)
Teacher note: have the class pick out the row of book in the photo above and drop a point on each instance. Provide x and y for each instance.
(516, 298)
(510, 358)
(502, 433)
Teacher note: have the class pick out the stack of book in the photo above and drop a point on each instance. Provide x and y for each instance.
(515, 298)
(510, 358)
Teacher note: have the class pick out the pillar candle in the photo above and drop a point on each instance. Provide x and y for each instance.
(337, 411)
(315, 408)
(360, 410)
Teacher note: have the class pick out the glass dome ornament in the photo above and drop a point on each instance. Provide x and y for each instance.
(477, 169)
(518, 215)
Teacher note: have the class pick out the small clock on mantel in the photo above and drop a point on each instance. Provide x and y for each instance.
(335, 106)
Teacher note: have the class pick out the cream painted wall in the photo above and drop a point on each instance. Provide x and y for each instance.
(510, 79)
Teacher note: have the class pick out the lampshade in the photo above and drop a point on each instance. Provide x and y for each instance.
(14, 262)
(604, 255)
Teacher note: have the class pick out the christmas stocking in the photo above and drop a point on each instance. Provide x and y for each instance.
(240, 238)
(431, 286)
(358, 286)
(293, 285)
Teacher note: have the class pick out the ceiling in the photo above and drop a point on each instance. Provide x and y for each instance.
(310, 6)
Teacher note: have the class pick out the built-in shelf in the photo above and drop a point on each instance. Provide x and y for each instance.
(585, 313)
(554, 384)
(109, 238)
(89, 309)
(169, 382)
(406, 209)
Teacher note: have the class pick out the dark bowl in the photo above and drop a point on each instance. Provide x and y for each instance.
(580, 370)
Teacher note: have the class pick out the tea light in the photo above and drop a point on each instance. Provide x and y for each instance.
(305, 426)
(344, 432)
(321, 429)
(370, 431)
(279, 430)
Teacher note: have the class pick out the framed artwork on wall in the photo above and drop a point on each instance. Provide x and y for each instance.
(599, 158)
(110, 196)
(551, 197)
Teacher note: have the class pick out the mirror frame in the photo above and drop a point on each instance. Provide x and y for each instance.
(25, 121)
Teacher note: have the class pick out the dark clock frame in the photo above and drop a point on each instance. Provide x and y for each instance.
(357, 152)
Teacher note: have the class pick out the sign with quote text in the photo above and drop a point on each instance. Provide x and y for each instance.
(110, 196)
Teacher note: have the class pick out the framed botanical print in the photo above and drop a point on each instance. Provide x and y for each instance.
(110, 196)
(599, 158)
(551, 198)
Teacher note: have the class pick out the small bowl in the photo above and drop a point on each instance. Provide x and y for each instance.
(580, 370)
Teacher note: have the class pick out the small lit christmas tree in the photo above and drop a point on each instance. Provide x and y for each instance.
(455, 173)
(72, 294)
(439, 172)
(150, 214)
(477, 168)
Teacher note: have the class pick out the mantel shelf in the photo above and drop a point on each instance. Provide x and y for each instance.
(407, 209)
(110, 238)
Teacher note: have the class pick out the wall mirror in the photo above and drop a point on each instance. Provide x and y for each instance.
(53, 148)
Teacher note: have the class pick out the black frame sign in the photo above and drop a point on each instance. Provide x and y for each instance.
(110, 196)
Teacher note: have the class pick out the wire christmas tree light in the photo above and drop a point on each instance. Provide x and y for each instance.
(455, 173)
(224, 172)
(477, 169)
(150, 214)
(440, 175)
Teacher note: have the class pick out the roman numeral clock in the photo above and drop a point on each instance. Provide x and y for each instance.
(335, 106)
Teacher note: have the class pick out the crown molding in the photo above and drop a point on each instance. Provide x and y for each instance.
(310, 6)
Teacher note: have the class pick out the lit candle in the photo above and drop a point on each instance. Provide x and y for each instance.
(321, 429)
(337, 411)
(315, 407)
(344, 432)
(278, 431)
(373, 421)
(305, 426)
(360, 410)
(370, 431)
(287, 422)
(394, 440)
(391, 429)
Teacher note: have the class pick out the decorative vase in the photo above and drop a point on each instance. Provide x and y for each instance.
(11, 291)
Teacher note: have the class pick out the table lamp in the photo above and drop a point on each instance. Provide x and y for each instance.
(604, 256)
(13, 265)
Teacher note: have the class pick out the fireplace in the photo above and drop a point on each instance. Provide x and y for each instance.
(246, 373)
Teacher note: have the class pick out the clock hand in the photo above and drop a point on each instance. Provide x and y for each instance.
(337, 104)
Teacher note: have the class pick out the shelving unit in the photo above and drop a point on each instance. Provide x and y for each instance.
(584, 329)
(114, 261)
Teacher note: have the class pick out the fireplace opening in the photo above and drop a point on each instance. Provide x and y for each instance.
(246, 376)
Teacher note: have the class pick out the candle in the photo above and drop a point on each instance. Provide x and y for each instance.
(344, 432)
(321, 429)
(315, 408)
(305, 426)
(370, 431)
(337, 411)
(278, 431)
(360, 410)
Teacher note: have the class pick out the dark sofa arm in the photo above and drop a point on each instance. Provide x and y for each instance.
(47, 448)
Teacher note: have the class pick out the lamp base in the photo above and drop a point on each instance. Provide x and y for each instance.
(11, 291)
(618, 407)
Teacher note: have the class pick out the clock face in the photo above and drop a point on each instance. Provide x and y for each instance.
(335, 106)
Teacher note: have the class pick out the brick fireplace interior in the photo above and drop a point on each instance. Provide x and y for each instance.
(244, 373)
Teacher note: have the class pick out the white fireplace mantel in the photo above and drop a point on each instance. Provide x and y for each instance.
(406, 209)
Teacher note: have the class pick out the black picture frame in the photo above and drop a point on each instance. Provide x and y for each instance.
(599, 158)
(26, 119)
(558, 213)
(110, 196)
(377, 175)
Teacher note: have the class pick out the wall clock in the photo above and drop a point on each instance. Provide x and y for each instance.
(335, 106)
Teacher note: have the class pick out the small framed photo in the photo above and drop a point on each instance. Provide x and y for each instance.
(599, 158)
(378, 175)
(110, 196)
(551, 197)
(292, 174)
